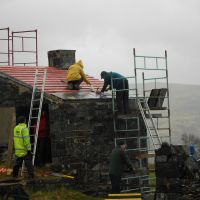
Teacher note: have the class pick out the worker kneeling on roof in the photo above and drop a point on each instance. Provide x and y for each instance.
(76, 75)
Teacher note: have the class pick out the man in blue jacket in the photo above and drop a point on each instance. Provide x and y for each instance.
(120, 83)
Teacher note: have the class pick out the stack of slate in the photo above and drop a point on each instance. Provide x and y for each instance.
(177, 174)
(191, 190)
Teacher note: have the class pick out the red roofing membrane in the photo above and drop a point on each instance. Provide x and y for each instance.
(54, 80)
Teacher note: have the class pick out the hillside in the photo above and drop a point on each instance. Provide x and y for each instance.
(185, 110)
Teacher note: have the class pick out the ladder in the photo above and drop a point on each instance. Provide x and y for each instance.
(127, 128)
(149, 123)
(36, 106)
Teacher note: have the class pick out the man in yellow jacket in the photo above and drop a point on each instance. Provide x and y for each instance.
(22, 148)
(76, 75)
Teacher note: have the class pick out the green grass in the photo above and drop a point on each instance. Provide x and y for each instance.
(53, 193)
(61, 193)
(152, 181)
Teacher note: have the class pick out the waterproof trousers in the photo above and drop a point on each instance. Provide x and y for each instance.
(115, 182)
(28, 163)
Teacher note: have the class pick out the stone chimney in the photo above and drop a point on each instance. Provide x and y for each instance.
(61, 59)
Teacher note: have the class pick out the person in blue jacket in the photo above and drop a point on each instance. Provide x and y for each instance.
(120, 83)
(192, 151)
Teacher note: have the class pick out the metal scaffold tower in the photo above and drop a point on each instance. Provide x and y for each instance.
(4, 46)
(24, 38)
(127, 127)
(18, 48)
(154, 102)
(148, 123)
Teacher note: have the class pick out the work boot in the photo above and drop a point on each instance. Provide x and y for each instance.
(70, 86)
(76, 87)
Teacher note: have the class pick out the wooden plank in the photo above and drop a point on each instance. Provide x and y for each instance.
(145, 155)
(124, 194)
(125, 199)
(10, 139)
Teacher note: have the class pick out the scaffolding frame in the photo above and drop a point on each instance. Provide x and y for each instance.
(7, 52)
(153, 140)
(131, 125)
(13, 48)
(164, 111)
(19, 35)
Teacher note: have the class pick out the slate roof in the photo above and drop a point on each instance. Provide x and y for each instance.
(55, 80)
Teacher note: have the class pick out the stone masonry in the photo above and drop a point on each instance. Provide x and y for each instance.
(81, 131)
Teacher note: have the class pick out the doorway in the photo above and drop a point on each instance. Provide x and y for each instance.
(43, 150)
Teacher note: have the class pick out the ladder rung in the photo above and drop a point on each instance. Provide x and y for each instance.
(157, 144)
(125, 130)
(35, 108)
(162, 128)
(32, 126)
(137, 149)
(36, 99)
(157, 108)
(126, 117)
(154, 115)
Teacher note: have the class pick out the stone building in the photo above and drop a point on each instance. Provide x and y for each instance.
(82, 127)
(81, 122)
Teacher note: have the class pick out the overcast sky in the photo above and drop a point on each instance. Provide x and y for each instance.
(104, 32)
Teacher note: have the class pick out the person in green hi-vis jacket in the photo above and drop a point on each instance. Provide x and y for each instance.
(22, 147)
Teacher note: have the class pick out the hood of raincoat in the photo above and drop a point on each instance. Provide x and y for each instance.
(80, 63)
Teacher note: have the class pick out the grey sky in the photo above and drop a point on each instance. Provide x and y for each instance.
(104, 32)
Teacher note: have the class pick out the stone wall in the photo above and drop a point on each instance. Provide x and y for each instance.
(81, 131)
(82, 136)
(13, 95)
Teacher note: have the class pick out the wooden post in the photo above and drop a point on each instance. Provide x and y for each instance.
(10, 139)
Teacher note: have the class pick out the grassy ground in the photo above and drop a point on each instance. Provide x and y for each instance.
(61, 193)
(152, 178)
(53, 193)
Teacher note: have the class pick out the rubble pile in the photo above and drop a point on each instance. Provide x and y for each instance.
(190, 190)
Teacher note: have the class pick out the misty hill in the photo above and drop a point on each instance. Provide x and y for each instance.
(185, 110)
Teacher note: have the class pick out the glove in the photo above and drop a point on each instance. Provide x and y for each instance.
(98, 91)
